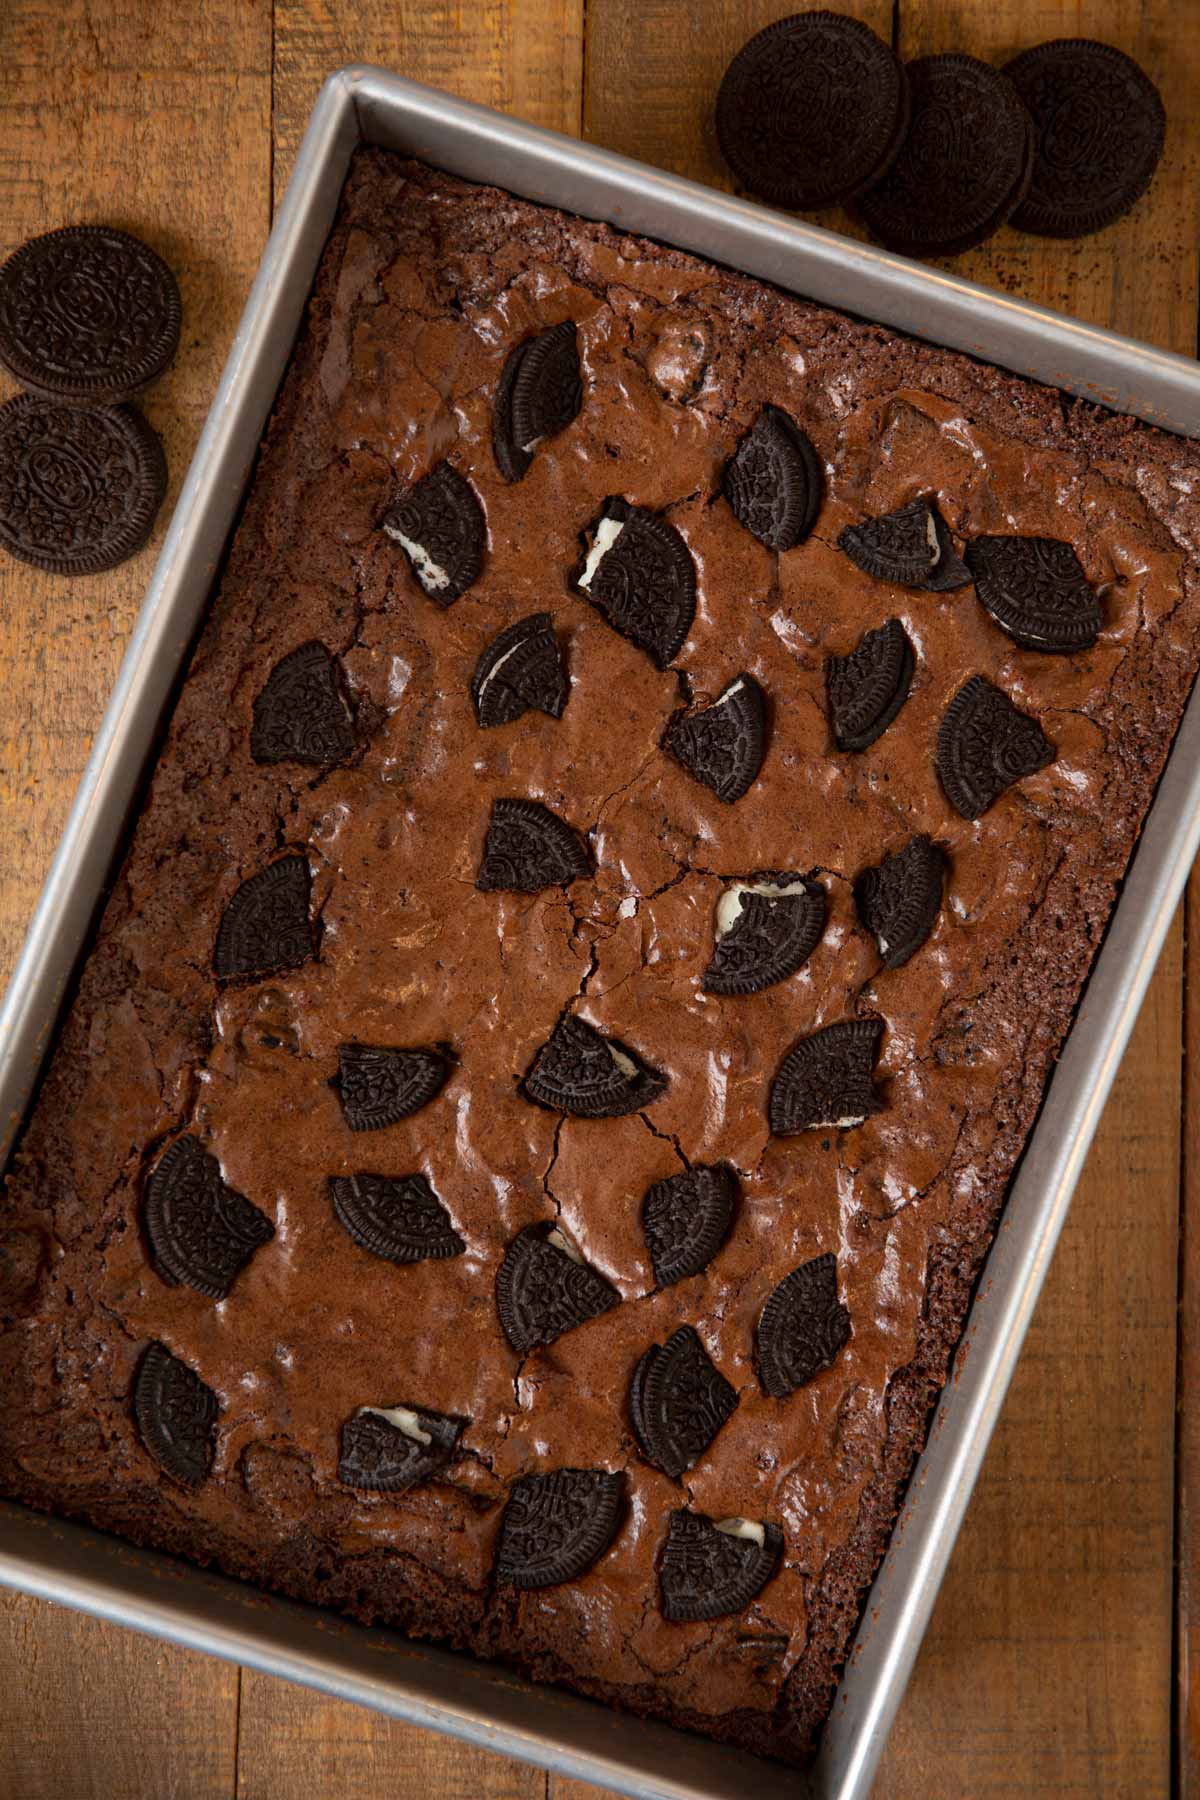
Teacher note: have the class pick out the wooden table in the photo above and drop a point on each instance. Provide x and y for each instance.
(1057, 1662)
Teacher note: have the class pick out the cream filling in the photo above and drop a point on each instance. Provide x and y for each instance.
(562, 1242)
(493, 672)
(730, 905)
(742, 1528)
(401, 1418)
(431, 575)
(625, 1063)
(932, 536)
(607, 533)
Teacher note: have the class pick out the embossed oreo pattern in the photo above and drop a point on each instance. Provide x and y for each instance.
(577, 1070)
(985, 744)
(686, 1218)
(442, 518)
(706, 1573)
(723, 745)
(301, 714)
(825, 1080)
(528, 848)
(378, 1457)
(556, 1525)
(1036, 589)
(541, 1291)
(380, 1086)
(678, 1401)
(521, 669)
(803, 1327)
(201, 1231)
(176, 1415)
(266, 926)
(773, 481)
(645, 583)
(397, 1217)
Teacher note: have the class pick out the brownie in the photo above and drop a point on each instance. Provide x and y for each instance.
(427, 286)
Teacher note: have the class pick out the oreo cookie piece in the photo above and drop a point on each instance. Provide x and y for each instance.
(397, 1217)
(899, 900)
(379, 1086)
(773, 481)
(176, 1413)
(556, 1525)
(544, 1288)
(201, 1232)
(439, 524)
(722, 745)
(824, 1082)
(540, 392)
(639, 573)
(678, 1401)
(266, 928)
(949, 571)
(80, 487)
(867, 688)
(965, 163)
(580, 1071)
(301, 714)
(520, 669)
(984, 745)
(812, 110)
(711, 1568)
(1099, 126)
(1035, 588)
(88, 314)
(528, 848)
(911, 546)
(388, 1449)
(686, 1218)
(766, 929)
(802, 1328)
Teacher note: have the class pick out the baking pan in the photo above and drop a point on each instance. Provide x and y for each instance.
(457, 1694)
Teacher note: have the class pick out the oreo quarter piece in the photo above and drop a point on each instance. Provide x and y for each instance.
(1099, 127)
(711, 1568)
(87, 314)
(1036, 590)
(301, 714)
(379, 1086)
(528, 848)
(521, 669)
(686, 1218)
(439, 524)
(824, 1082)
(580, 1071)
(201, 1232)
(678, 1401)
(176, 1414)
(867, 688)
(639, 573)
(397, 1217)
(556, 1525)
(802, 1328)
(984, 745)
(388, 1449)
(722, 745)
(80, 487)
(540, 392)
(949, 571)
(911, 546)
(266, 928)
(773, 481)
(812, 110)
(766, 928)
(899, 899)
(545, 1288)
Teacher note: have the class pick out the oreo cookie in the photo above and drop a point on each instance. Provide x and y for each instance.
(984, 745)
(802, 1328)
(911, 546)
(1099, 126)
(965, 163)
(556, 1525)
(773, 481)
(439, 524)
(397, 1217)
(176, 1415)
(521, 669)
(266, 928)
(80, 487)
(812, 110)
(545, 1288)
(824, 1082)
(867, 688)
(379, 1086)
(767, 927)
(899, 900)
(528, 848)
(639, 573)
(201, 1232)
(580, 1071)
(711, 1568)
(686, 1218)
(722, 745)
(540, 392)
(678, 1401)
(388, 1449)
(301, 714)
(1036, 590)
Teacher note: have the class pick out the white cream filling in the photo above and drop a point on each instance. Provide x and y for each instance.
(628, 907)
(431, 575)
(625, 1063)
(730, 905)
(932, 536)
(742, 1528)
(735, 687)
(840, 1124)
(493, 672)
(562, 1242)
(607, 533)
(401, 1418)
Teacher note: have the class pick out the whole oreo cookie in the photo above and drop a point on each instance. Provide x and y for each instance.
(812, 110)
(80, 487)
(1099, 126)
(87, 314)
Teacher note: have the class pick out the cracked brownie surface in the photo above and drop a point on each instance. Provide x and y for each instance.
(426, 286)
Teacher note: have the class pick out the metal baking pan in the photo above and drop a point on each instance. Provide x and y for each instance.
(458, 1694)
